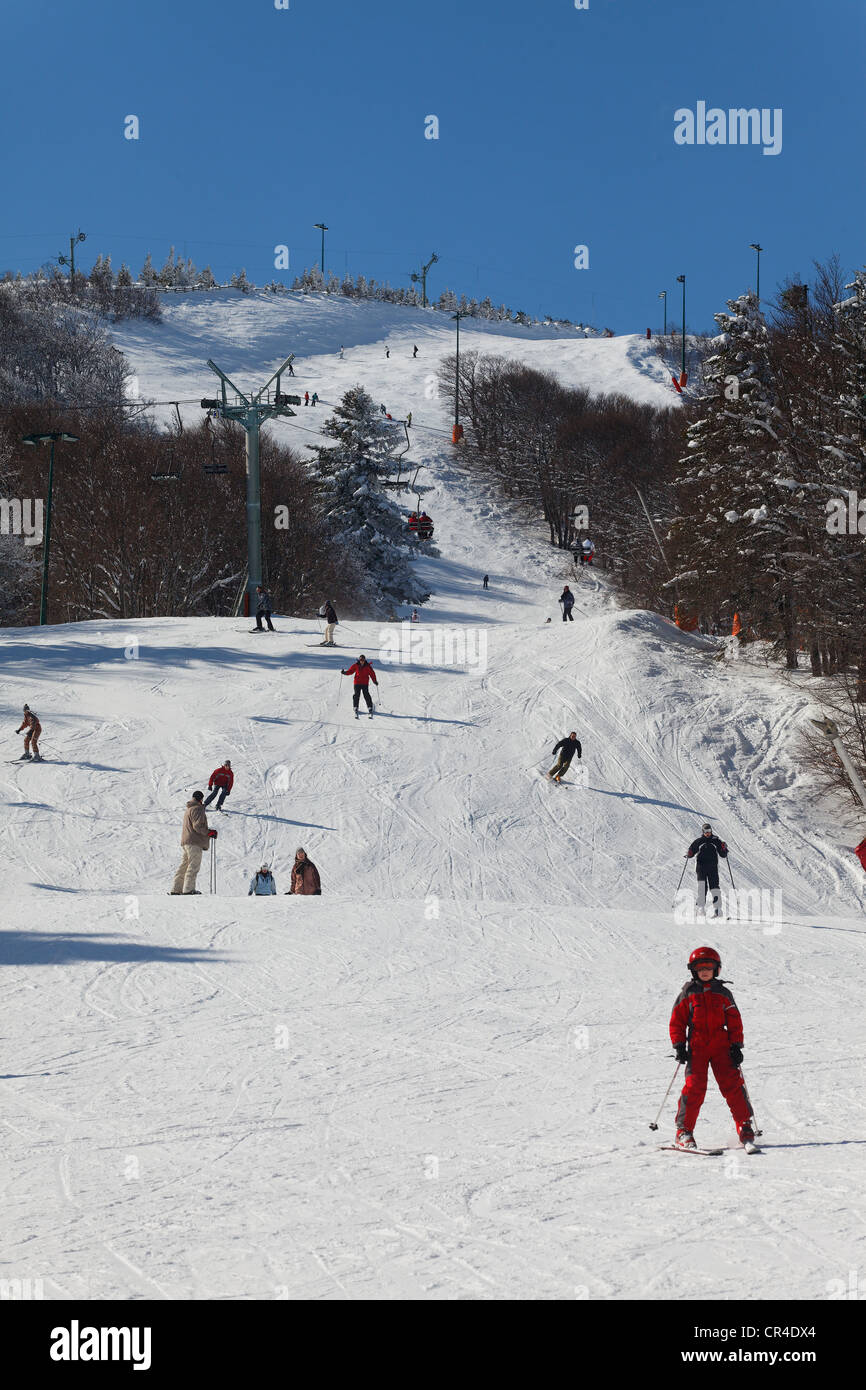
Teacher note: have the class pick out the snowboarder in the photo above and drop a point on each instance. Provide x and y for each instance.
(587, 550)
(708, 847)
(263, 609)
(220, 784)
(485, 581)
(315, 398)
(566, 748)
(566, 599)
(195, 838)
(415, 350)
(329, 613)
(262, 883)
(305, 876)
(363, 673)
(30, 722)
(707, 1031)
(306, 398)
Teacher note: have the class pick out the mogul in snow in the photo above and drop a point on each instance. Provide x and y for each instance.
(566, 748)
(566, 600)
(707, 1031)
(220, 784)
(363, 673)
(262, 883)
(708, 847)
(30, 722)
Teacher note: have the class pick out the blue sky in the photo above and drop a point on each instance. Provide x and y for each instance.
(556, 130)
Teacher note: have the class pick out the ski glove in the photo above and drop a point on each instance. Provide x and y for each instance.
(682, 1052)
(736, 1054)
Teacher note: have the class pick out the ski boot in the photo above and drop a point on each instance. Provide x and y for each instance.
(685, 1139)
(746, 1134)
(26, 757)
(357, 715)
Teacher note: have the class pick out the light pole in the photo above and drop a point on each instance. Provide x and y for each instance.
(82, 236)
(50, 440)
(663, 294)
(681, 280)
(755, 247)
(458, 428)
(322, 229)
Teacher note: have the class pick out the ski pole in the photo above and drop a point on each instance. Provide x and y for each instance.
(667, 1093)
(339, 692)
(682, 876)
(749, 1101)
(731, 872)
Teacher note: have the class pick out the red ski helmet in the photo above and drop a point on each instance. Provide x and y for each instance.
(705, 955)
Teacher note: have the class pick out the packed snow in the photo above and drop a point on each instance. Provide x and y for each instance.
(435, 1080)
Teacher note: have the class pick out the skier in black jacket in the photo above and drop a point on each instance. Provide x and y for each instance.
(566, 748)
(708, 847)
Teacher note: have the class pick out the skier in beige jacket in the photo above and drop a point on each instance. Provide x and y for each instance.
(195, 838)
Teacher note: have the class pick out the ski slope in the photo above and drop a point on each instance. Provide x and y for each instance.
(433, 1082)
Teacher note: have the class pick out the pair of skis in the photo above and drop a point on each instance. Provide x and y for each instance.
(750, 1147)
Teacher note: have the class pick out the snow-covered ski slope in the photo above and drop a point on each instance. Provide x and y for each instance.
(435, 1080)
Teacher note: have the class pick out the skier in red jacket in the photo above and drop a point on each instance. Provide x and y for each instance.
(220, 783)
(707, 1031)
(363, 673)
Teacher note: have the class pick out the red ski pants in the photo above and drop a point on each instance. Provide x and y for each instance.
(730, 1084)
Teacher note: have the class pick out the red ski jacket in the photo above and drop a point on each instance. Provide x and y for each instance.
(222, 777)
(363, 674)
(706, 1017)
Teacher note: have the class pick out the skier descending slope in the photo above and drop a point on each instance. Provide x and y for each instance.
(708, 847)
(566, 748)
(363, 673)
(707, 1031)
(30, 722)
(566, 599)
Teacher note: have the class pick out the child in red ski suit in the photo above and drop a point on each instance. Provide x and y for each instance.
(707, 1031)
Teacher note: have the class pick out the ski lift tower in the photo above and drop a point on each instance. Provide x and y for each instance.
(251, 412)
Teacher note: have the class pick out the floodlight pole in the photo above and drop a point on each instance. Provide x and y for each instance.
(251, 412)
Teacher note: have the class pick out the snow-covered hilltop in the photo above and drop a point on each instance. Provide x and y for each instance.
(435, 1080)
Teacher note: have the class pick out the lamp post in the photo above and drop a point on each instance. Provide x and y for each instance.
(458, 429)
(755, 247)
(322, 229)
(62, 260)
(50, 440)
(663, 294)
(681, 280)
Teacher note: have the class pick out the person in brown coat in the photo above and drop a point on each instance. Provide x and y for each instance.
(195, 838)
(305, 875)
(30, 722)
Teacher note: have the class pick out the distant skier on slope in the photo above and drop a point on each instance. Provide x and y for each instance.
(485, 581)
(707, 1031)
(415, 350)
(329, 613)
(363, 673)
(708, 847)
(566, 599)
(262, 883)
(30, 722)
(263, 609)
(220, 784)
(566, 748)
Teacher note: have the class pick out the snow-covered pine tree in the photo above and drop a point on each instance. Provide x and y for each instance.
(363, 516)
(147, 275)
